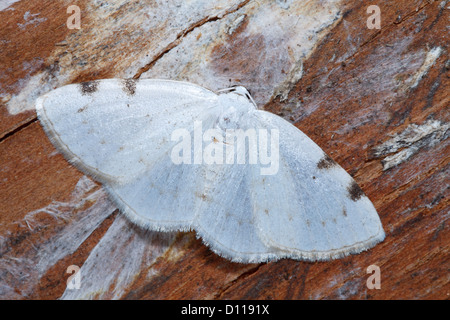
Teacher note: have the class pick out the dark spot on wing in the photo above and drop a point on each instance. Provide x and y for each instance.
(129, 86)
(326, 163)
(88, 88)
(202, 196)
(344, 212)
(354, 191)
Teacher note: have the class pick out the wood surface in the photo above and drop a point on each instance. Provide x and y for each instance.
(376, 100)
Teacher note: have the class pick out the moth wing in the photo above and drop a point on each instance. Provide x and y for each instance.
(165, 197)
(224, 211)
(114, 130)
(311, 208)
(162, 198)
(213, 199)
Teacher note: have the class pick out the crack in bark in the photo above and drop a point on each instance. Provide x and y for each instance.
(184, 33)
(242, 276)
(19, 127)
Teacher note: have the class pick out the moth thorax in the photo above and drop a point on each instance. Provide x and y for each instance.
(229, 119)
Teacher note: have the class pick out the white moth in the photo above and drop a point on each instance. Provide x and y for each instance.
(176, 156)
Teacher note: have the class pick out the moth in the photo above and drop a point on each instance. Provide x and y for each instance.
(176, 156)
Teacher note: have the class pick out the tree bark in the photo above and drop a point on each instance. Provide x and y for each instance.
(375, 100)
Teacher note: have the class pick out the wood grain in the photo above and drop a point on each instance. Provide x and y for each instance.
(377, 101)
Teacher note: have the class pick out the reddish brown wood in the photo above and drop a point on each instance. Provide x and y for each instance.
(356, 93)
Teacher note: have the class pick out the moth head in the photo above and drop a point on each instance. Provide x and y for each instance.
(239, 90)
